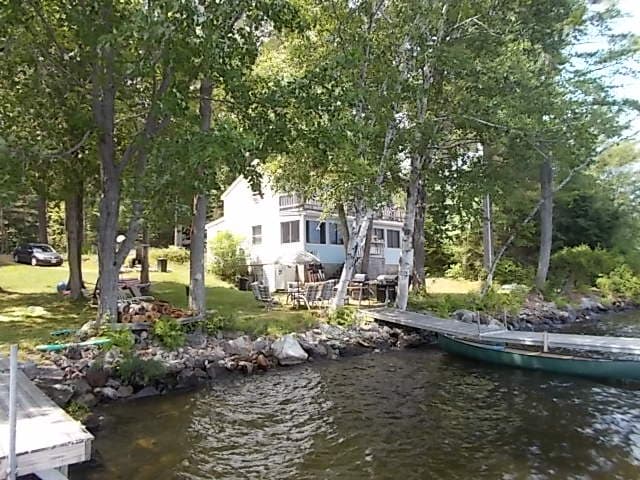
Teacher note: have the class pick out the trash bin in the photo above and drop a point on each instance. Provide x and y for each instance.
(162, 265)
(243, 283)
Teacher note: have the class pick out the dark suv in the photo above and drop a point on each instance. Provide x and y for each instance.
(37, 254)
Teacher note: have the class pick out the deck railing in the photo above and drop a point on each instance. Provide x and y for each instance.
(377, 249)
(297, 201)
(391, 213)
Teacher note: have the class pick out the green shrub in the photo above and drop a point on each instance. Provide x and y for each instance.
(172, 253)
(464, 271)
(77, 411)
(121, 338)
(621, 282)
(510, 271)
(215, 322)
(494, 303)
(581, 266)
(342, 316)
(169, 332)
(138, 372)
(229, 259)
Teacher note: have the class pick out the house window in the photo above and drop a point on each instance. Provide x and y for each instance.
(393, 238)
(316, 232)
(256, 235)
(290, 232)
(335, 235)
(378, 234)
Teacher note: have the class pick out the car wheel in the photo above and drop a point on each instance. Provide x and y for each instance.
(16, 258)
(34, 261)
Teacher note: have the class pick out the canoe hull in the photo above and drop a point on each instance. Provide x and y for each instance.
(583, 367)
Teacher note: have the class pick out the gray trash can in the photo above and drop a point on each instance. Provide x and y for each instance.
(162, 265)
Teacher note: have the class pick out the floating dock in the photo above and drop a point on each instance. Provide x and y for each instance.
(456, 328)
(48, 440)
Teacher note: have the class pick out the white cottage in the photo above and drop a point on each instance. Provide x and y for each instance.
(276, 226)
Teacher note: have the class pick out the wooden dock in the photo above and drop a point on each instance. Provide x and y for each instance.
(626, 345)
(47, 440)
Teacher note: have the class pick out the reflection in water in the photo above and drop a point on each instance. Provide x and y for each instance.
(411, 415)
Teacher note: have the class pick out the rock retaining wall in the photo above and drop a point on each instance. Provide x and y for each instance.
(90, 376)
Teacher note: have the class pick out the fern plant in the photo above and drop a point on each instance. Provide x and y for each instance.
(169, 333)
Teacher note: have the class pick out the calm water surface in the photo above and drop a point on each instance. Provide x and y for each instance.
(418, 414)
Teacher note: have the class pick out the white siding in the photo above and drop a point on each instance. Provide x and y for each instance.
(243, 210)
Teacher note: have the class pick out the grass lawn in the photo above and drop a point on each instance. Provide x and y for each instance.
(30, 307)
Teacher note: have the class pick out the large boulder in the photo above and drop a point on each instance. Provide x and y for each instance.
(88, 399)
(241, 346)
(149, 391)
(58, 392)
(107, 392)
(466, 316)
(590, 304)
(81, 386)
(288, 351)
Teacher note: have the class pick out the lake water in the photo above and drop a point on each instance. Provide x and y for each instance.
(414, 414)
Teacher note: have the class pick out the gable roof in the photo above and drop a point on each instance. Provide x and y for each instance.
(233, 185)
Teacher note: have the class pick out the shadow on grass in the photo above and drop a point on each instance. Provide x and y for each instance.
(241, 310)
(29, 318)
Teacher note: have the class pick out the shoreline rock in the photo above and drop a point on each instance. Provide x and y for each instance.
(537, 315)
(89, 376)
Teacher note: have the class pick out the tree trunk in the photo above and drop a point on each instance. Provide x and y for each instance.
(107, 247)
(3, 234)
(197, 291)
(487, 226)
(74, 224)
(405, 268)
(363, 264)
(344, 226)
(144, 266)
(353, 253)
(43, 222)
(418, 239)
(546, 223)
(487, 232)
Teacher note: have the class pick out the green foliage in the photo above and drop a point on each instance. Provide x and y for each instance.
(229, 259)
(581, 266)
(121, 338)
(138, 372)
(215, 322)
(511, 271)
(344, 317)
(78, 411)
(622, 282)
(494, 303)
(169, 332)
(172, 253)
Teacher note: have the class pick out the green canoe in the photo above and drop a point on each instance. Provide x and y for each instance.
(548, 362)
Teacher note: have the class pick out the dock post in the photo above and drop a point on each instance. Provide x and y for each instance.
(13, 411)
(545, 340)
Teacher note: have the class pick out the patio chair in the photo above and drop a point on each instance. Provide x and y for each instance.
(292, 289)
(309, 296)
(262, 294)
(327, 292)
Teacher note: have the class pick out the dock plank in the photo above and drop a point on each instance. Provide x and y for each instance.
(428, 322)
(47, 437)
(626, 345)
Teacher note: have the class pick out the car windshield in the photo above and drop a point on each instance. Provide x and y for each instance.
(42, 248)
